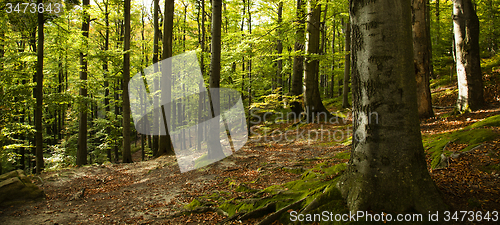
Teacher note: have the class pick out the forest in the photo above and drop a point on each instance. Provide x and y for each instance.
(386, 109)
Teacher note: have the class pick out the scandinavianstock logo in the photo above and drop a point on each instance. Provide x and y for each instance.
(204, 125)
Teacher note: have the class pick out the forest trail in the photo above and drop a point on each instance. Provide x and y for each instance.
(150, 192)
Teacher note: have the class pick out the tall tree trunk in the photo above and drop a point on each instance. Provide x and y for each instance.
(156, 53)
(168, 28)
(438, 24)
(422, 56)
(347, 66)
(127, 155)
(81, 155)
(387, 169)
(215, 148)
(466, 29)
(332, 80)
(279, 48)
(39, 95)
(106, 78)
(322, 49)
(314, 105)
(298, 59)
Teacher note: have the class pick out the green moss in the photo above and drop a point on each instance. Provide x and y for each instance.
(244, 188)
(472, 137)
(298, 170)
(493, 121)
(343, 155)
(193, 204)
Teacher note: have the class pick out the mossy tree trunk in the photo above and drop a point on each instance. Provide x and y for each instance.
(466, 29)
(422, 56)
(387, 169)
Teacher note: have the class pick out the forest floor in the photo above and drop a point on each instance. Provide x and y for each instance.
(150, 192)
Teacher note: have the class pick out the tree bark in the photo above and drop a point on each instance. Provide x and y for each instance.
(127, 155)
(421, 55)
(106, 77)
(156, 53)
(168, 28)
(39, 95)
(314, 105)
(466, 30)
(332, 80)
(215, 148)
(298, 59)
(279, 48)
(347, 66)
(387, 169)
(81, 155)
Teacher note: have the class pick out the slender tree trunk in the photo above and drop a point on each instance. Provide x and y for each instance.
(39, 95)
(279, 48)
(81, 155)
(438, 24)
(347, 66)
(322, 49)
(387, 171)
(332, 81)
(106, 78)
(466, 29)
(314, 105)
(156, 53)
(168, 28)
(127, 155)
(215, 148)
(298, 60)
(421, 56)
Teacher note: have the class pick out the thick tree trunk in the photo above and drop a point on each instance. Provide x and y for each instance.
(314, 105)
(347, 66)
(168, 27)
(39, 95)
(81, 154)
(387, 170)
(466, 29)
(215, 148)
(298, 60)
(421, 54)
(127, 155)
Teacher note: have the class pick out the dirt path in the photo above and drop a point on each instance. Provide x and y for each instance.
(148, 192)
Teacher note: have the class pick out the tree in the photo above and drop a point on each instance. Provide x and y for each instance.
(387, 169)
(127, 156)
(215, 148)
(39, 94)
(314, 105)
(156, 53)
(81, 154)
(421, 54)
(298, 59)
(347, 66)
(466, 32)
(168, 27)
